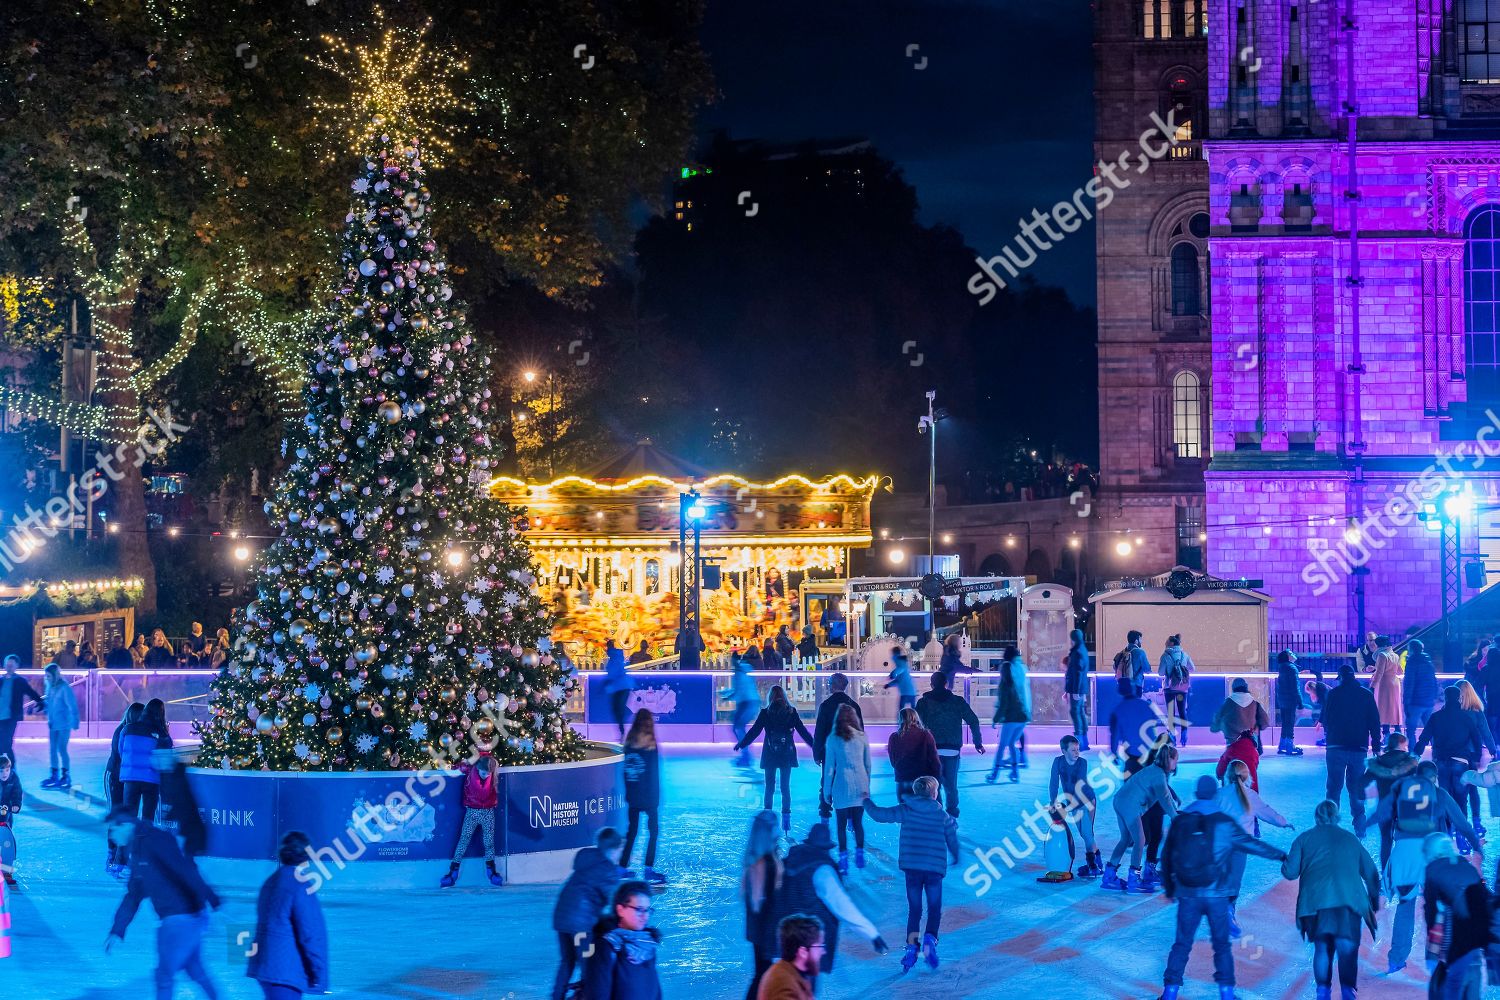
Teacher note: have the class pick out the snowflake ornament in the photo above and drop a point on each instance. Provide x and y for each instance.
(365, 743)
(418, 730)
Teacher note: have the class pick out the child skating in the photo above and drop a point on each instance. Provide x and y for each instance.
(1069, 791)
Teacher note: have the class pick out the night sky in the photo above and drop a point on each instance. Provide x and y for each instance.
(1000, 121)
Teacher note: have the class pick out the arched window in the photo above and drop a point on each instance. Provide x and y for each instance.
(1185, 300)
(1482, 303)
(1182, 107)
(1187, 416)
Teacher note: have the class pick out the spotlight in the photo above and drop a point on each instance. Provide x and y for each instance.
(456, 557)
(1123, 547)
(241, 553)
(897, 556)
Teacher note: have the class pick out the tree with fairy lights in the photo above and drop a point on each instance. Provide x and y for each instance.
(395, 619)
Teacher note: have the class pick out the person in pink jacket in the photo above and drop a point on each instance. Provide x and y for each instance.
(481, 794)
(1386, 683)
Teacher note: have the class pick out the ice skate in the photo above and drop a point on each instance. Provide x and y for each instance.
(451, 879)
(909, 958)
(929, 950)
(1111, 878)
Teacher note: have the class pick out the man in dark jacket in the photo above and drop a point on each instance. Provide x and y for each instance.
(828, 712)
(1456, 740)
(1288, 701)
(623, 963)
(596, 873)
(1419, 688)
(291, 939)
(1351, 721)
(118, 657)
(1195, 871)
(944, 714)
(810, 885)
(160, 872)
(1454, 883)
(13, 688)
(1385, 770)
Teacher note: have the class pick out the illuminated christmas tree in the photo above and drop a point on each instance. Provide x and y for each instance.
(396, 618)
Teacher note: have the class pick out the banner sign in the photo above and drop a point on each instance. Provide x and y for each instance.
(673, 697)
(564, 807)
(884, 586)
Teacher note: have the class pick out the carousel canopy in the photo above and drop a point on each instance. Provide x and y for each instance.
(644, 459)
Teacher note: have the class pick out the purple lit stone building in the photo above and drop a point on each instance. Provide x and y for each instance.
(1308, 422)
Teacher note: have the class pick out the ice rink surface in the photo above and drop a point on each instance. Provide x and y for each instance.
(1021, 938)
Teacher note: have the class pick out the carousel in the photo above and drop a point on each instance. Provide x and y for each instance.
(607, 545)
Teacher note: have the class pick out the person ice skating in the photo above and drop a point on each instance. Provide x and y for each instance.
(642, 767)
(811, 885)
(1351, 724)
(1176, 669)
(138, 774)
(1457, 909)
(14, 689)
(1131, 664)
(1419, 689)
(1069, 790)
(929, 843)
(846, 783)
(1288, 702)
(177, 809)
(290, 955)
(1468, 700)
(1136, 726)
(1197, 871)
(951, 664)
(746, 704)
(62, 719)
(1338, 891)
(1140, 791)
(1242, 803)
(802, 945)
(1415, 807)
(778, 754)
(10, 807)
(828, 711)
(900, 678)
(912, 752)
(1385, 682)
(1240, 713)
(623, 964)
(1076, 686)
(480, 795)
(1456, 741)
(944, 714)
(760, 882)
(1242, 750)
(1012, 712)
(617, 684)
(1384, 770)
(596, 873)
(160, 872)
(114, 787)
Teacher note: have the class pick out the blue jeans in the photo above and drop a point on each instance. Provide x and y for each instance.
(919, 884)
(1402, 928)
(1010, 732)
(1416, 721)
(179, 947)
(1465, 977)
(950, 783)
(1078, 713)
(276, 992)
(1190, 913)
(1347, 767)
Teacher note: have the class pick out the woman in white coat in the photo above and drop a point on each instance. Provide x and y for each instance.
(846, 783)
(1242, 803)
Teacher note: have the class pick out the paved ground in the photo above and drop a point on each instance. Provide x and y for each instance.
(1019, 939)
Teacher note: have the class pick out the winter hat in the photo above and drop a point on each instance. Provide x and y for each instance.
(1206, 788)
(1286, 656)
(819, 838)
(1239, 686)
(1451, 696)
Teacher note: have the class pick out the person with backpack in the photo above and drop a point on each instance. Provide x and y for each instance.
(945, 714)
(1131, 664)
(846, 783)
(1288, 702)
(1338, 891)
(929, 844)
(1012, 712)
(746, 704)
(1458, 911)
(1351, 723)
(1138, 793)
(1385, 769)
(480, 797)
(1076, 687)
(1456, 742)
(1385, 681)
(596, 872)
(1196, 871)
(1415, 807)
(1243, 804)
(1419, 691)
(778, 754)
(900, 678)
(642, 767)
(828, 713)
(1176, 669)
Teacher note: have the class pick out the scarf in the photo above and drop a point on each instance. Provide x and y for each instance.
(639, 946)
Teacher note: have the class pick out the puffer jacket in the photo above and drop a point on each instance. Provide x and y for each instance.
(929, 836)
(587, 891)
(1420, 688)
(137, 741)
